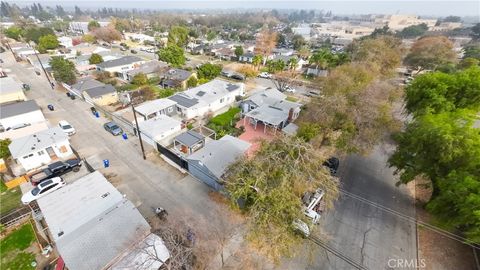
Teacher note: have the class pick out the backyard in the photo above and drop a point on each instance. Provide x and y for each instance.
(9, 199)
(15, 248)
(224, 123)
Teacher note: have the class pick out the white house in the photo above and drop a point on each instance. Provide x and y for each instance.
(40, 148)
(11, 91)
(82, 27)
(120, 67)
(207, 98)
(161, 129)
(139, 37)
(21, 119)
(154, 108)
(66, 41)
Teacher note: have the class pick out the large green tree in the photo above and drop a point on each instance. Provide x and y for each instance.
(4, 151)
(178, 36)
(430, 53)
(63, 70)
(298, 41)
(269, 187)
(95, 59)
(173, 55)
(35, 33)
(140, 79)
(14, 32)
(238, 51)
(439, 92)
(92, 25)
(48, 42)
(413, 31)
(209, 71)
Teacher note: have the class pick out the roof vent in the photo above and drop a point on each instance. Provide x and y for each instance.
(105, 195)
(60, 233)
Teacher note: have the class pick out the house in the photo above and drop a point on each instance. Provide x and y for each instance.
(312, 70)
(82, 62)
(247, 57)
(87, 49)
(154, 108)
(101, 95)
(151, 69)
(83, 84)
(188, 142)
(270, 108)
(210, 163)
(175, 78)
(160, 129)
(44, 59)
(93, 226)
(82, 27)
(207, 98)
(66, 42)
(25, 52)
(286, 59)
(140, 38)
(120, 67)
(21, 119)
(40, 148)
(11, 91)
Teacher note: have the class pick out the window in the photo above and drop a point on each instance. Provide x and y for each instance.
(41, 153)
(222, 100)
(48, 188)
(63, 149)
(179, 109)
(170, 109)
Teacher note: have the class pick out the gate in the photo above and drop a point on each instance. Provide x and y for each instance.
(173, 157)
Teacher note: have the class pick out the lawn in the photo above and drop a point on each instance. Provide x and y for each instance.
(9, 199)
(224, 123)
(12, 246)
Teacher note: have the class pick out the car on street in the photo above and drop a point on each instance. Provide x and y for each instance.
(332, 164)
(93, 110)
(265, 75)
(43, 189)
(113, 128)
(290, 89)
(66, 127)
(55, 169)
(133, 51)
(123, 49)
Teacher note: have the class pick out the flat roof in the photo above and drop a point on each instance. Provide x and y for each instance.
(86, 83)
(18, 108)
(126, 60)
(36, 141)
(190, 138)
(152, 106)
(9, 85)
(159, 125)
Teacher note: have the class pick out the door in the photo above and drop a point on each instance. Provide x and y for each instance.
(51, 153)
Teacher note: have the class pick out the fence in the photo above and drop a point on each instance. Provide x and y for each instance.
(15, 217)
(16, 182)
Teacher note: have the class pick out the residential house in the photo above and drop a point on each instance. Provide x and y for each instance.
(286, 59)
(140, 38)
(246, 57)
(270, 108)
(175, 78)
(210, 163)
(151, 68)
(188, 142)
(101, 95)
(11, 91)
(155, 108)
(161, 129)
(66, 42)
(82, 62)
(21, 119)
(207, 98)
(120, 67)
(94, 226)
(82, 27)
(25, 52)
(87, 49)
(313, 70)
(40, 148)
(83, 84)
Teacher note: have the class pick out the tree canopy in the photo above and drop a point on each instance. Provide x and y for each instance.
(238, 51)
(48, 42)
(298, 41)
(274, 66)
(178, 36)
(269, 187)
(92, 25)
(107, 34)
(413, 31)
(173, 55)
(14, 32)
(475, 31)
(430, 52)
(4, 151)
(209, 71)
(88, 38)
(35, 33)
(95, 59)
(63, 70)
(140, 79)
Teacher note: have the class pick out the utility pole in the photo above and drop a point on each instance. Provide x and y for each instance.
(44, 71)
(138, 132)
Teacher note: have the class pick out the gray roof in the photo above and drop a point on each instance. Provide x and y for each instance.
(248, 54)
(91, 222)
(126, 60)
(18, 108)
(268, 96)
(148, 67)
(152, 106)
(101, 90)
(184, 100)
(36, 141)
(216, 156)
(290, 129)
(9, 85)
(86, 83)
(177, 74)
(189, 138)
(268, 114)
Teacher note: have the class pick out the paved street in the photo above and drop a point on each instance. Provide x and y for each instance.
(148, 183)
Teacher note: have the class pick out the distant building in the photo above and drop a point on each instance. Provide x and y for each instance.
(120, 67)
(399, 22)
(101, 95)
(82, 27)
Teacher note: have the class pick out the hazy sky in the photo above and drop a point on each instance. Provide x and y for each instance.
(425, 7)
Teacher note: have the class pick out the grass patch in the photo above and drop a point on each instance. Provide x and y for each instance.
(12, 246)
(126, 87)
(10, 200)
(224, 123)
(292, 99)
(225, 118)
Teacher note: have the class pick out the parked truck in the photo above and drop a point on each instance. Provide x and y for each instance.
(56, 169)
(313, 207)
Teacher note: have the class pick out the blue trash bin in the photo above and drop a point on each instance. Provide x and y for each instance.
(124, 135)
(106, 163)
(97, 115)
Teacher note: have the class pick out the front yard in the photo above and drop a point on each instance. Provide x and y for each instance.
(15, 255)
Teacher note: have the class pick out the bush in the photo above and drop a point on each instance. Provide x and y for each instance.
(248, 71)
(140, 79)
(154, 80)
(192, 82)
(127, 87)
(163, 93)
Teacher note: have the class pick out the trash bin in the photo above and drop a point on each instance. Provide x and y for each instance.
(124, 135)
(97, 114)
(50, 107)
(106, 163)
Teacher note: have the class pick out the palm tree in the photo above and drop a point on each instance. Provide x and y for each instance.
(292, 63)
(321, 59)
(257, 60)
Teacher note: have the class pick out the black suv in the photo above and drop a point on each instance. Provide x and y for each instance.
(332, 163)
(56, 169)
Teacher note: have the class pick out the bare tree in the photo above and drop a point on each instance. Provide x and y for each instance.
(265, 43)
(107, 34)
(283, 79)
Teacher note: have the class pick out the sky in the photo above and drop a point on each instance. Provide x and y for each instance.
(425, 7)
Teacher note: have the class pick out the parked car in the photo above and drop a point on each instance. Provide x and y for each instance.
(289, 89)
(238, 77)
(265, 75)
(26, 87)
(66, 127)
(123, 44)
(123, 49)
(113, 128)
(93, 110)
(55, 169)
(332, 163)
(133, 51)
(43, 189)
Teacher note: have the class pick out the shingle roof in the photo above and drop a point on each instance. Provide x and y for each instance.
(218, 155)
(101, 90)
(36, 142)
(18, 108)
(148, 67)
(86, 83)
(120, 62)
(177, 74)
(189, 138)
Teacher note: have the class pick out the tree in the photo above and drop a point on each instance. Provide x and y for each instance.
(14, 32)
(413, 31)
(292, 63)
(173, 55)
(211, 35)
(439, 92)
(468, 63)
(88, 38)
(475, 31)
(107, 34)
(265, 43)
(92, 25)
(269, 187)
(63, 70)
(178, 36)
(238, 51)
(472, 51)
(35, 33)
(192, 82)
(298, 41)
(257, 60)
(4, 151)
(248, 71)
(48, 42)
(95, 59)
(304, 52)
(209, 71)
(60, 25)
(377, 32)
(274, 66)
(148, 93)
(452, 19)
(140, 79)
(321, 59)
(430, 52)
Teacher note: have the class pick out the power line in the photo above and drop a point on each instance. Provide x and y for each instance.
(337, 253)
(412, 219)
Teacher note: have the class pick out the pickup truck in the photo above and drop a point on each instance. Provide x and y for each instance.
(56, 169)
